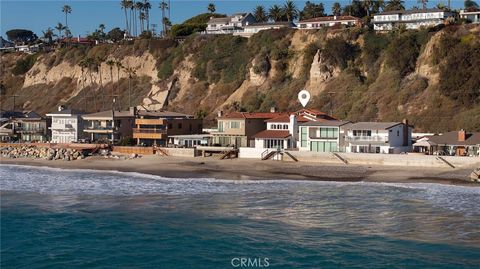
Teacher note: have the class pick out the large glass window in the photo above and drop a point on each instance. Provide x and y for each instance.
(234, 124)
(220, 126)
(303, 136)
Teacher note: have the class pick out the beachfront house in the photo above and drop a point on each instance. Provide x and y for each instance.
(471, 15)
(66, 125)
(29, 127)
(459, 143)
(378, 137)
(190, 141)
(252, 28)
(229, 24)
(109, 126)
(238, 128)
(328, 21)
(411, 19)
(323, 136)
(155, 127)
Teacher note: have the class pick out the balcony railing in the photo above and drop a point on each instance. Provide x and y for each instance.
(375, 138)
(149, 131)
(99, 128)
(30, 130)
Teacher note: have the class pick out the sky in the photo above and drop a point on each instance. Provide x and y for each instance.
(38, 15)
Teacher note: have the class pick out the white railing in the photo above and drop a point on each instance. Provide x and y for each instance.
(375, 138)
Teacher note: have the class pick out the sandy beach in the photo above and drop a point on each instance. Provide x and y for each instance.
(245, 169)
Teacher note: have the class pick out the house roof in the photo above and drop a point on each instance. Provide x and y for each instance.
(286, 118)
(331, 18)
(451, 138)
(165, 114)
(325, 123)
(108, 114)
(373, 125)
(271, 24)
(9, 114)
(66, 112)
(272, 134)
(219, 20)
(254, 115)
(411, 11)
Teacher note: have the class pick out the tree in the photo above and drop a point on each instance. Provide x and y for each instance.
(67, 10)
(131, 73)
(367, 5)
(110, 64)
(48, 35)
(424, 3)
(378, 6)
(211, 8)
(60, 27)
(290, 10)
(21, 35)
(168, 24)
(336, 9)
(393, 5)
(469, 4)
(147, 6)
(312, 10)
(356, 8)
(125, 4)
(164, 6)
(260, 14)
(139, 7)
(115, 34)
(276, 13)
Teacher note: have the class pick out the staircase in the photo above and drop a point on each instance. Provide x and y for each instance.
(445, 161)
(267, 154)
(229, 154)
(161, 151)
(336, 155)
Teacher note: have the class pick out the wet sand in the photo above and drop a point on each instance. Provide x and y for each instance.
(246, 169)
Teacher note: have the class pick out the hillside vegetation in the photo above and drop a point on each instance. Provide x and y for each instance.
(431, 77)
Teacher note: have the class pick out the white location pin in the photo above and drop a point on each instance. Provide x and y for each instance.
(304, 97)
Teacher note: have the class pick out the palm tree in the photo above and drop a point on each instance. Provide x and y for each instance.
(367, 5)
(110, 64)
(393, 5)
(83, 64)
(336, 9)
(67, 10)
(139, 7)
(131, 72)
(275, 13)
(290, 10)
(98, 67)
(147, 6)
(260, 14)
(142, 18)
(119, 66)
(125, 4)
(468, 4)
(211, 8)
(48, 34)
(378, 6)
(424, 3)
(163, 6)
(60, 28)
(91, 64)
(167, 23)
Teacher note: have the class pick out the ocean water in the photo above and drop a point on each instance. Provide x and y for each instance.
(53, 218)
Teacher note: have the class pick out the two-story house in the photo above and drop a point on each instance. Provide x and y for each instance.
(109, 126)
(238, 128)
(252, 28)
(323, 136)
(328, 21)
(471, 15)
(412, 19)
(28, 127)
(229, 24)
(155, 127)
(378, 137)
(66, 125)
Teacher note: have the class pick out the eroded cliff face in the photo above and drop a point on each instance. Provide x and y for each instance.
(196, 78)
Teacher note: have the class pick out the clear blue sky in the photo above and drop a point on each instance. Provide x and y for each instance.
(38, 15)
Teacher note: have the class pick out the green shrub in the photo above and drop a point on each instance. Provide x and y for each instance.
(402, 53)
(24, 65)
(338, 52)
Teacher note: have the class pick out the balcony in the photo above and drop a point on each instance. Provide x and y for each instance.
(149, 131)
(99, 129)
(375, 138)
(31, 130)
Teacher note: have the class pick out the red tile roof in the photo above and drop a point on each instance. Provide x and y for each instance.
(331, 18)
(254, 115)
(272, 134)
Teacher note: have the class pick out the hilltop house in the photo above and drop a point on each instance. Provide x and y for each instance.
(238, 128)
(107, 125)
(282, 131)
(67, 125)
(229, 24)
(323, 136)
(378, 137)
(252, 28)
(412, 19)
(155, 127)
(328, 21)
(471, 15)
(460, 143)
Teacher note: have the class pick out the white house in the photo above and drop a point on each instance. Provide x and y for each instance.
(190, 140)
(472, 15)
(252, 28)
(378, 137)
(412, 19)
(328, 21)
(67, 125)
(323, 136)
(230, 24)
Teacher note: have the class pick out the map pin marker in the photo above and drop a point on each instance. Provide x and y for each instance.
(304, 97)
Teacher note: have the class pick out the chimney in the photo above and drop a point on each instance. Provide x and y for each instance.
(273, 109)
(335, 17)
(78, 39)
(132, 110)
(61, 108)
(293, 129)
(405, 133)
(461, 135)
(220, 114)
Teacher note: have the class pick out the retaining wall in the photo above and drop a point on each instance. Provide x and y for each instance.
(181, 152)
(130, 150)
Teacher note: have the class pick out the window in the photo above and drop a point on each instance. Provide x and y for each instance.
(220, 126)
(180, 126)
(303, 136)
(398, 133)
(234, 125)
(285, 126)
(274, 126)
